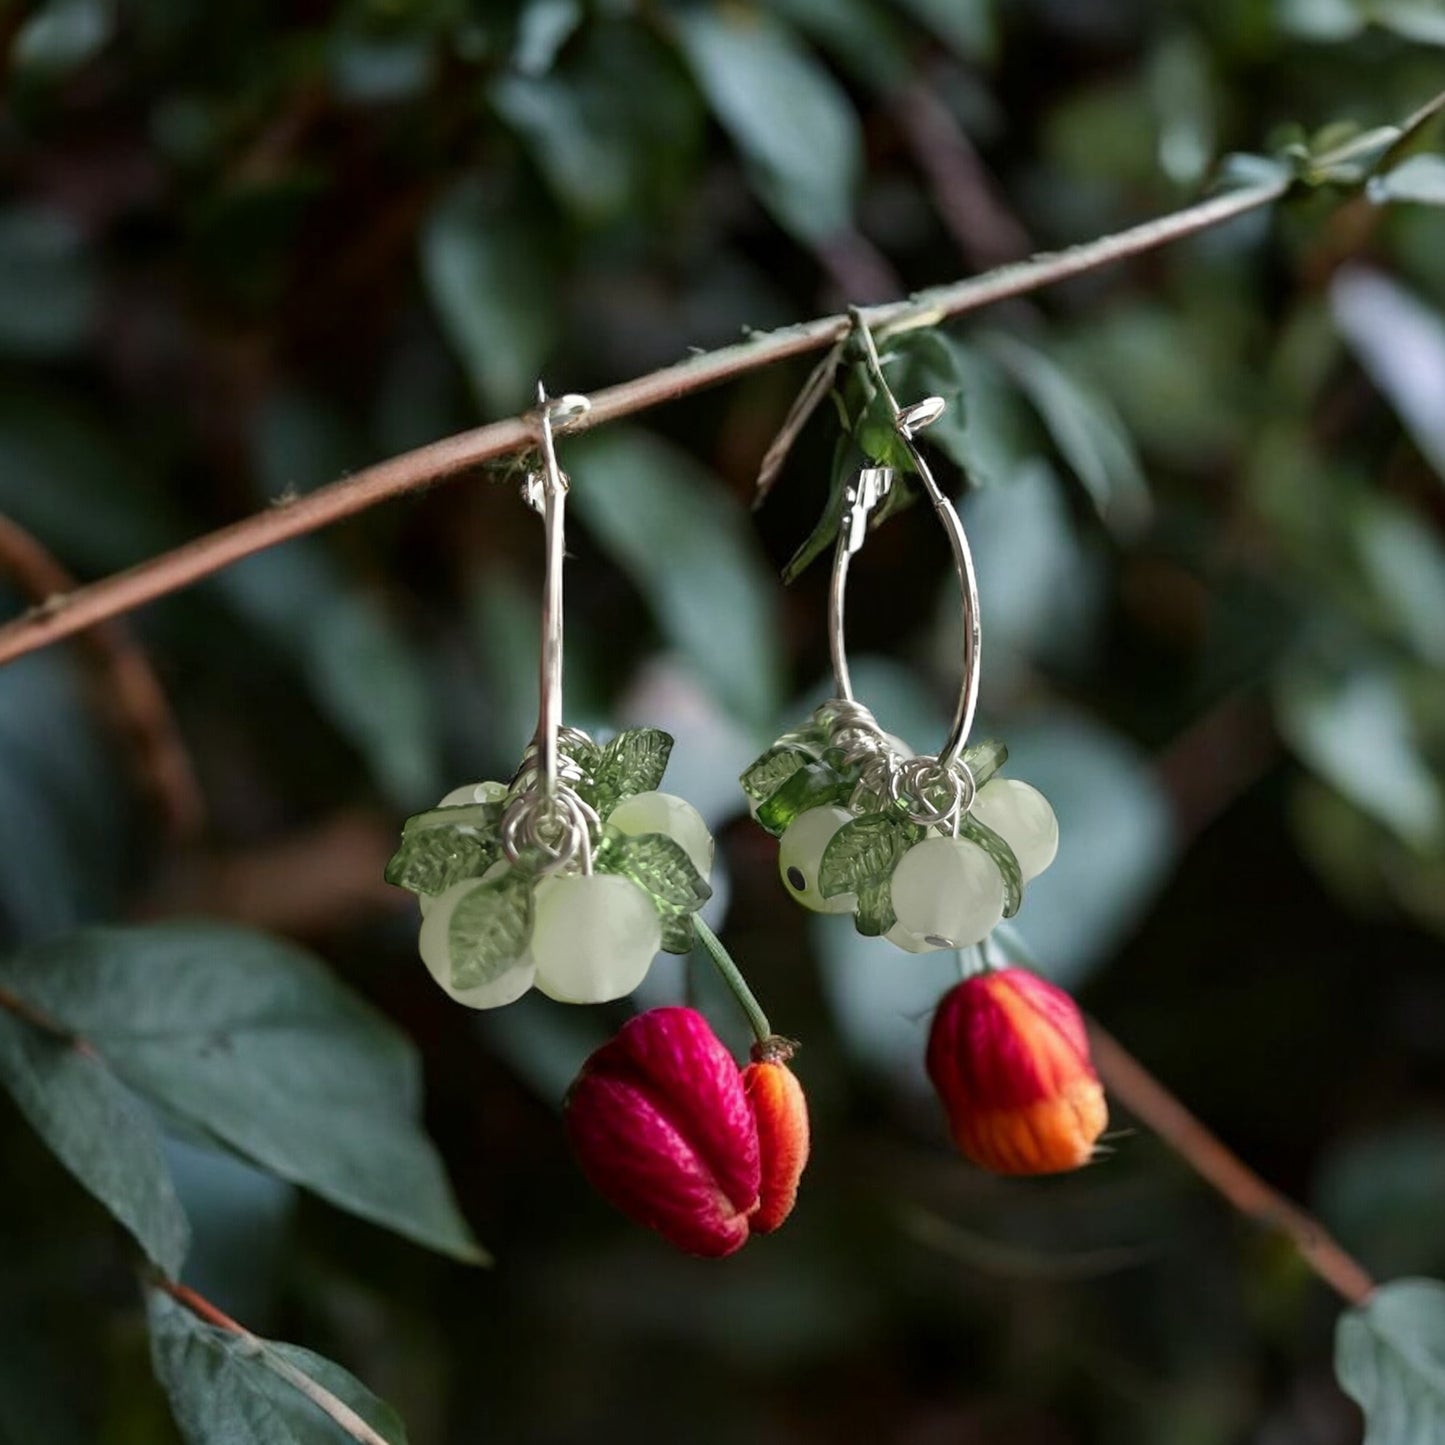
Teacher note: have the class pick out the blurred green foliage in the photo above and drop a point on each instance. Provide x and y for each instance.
(246, 248)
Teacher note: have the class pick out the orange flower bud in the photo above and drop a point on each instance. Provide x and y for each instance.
(781, 1113)
(1009, 1057)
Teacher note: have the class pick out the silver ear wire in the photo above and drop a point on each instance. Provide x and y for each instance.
(862, 496)
(545, 813)
(935, 791)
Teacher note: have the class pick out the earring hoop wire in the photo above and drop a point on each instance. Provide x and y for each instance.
(546, 814)
(872, 486)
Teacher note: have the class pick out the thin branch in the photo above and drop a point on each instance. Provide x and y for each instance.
(337, 1409)
(69, 613)
(138, 703)
(1148, 1100)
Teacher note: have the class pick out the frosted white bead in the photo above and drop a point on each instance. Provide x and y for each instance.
(666, 813)
(594, 938)
(465, 794)
(435, 952)
(474, 793)
(800, 853)
(948, 891)
(910, 942)
(1022, 817)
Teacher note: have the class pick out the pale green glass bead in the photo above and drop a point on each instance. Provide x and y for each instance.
(948, 891)
(655, 812)
(900, 937)
(435, 953)
(474, 793)
(593, 938)
(800, 854)
(1022, 817)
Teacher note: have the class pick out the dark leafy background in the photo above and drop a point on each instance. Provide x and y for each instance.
(247, 247)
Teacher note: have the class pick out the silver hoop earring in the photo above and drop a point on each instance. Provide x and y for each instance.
(931, 851)
(573, 875)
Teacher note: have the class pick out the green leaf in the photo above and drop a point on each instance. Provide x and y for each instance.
(795, 127)
(825, 532)
(491, 283)
(1390, 1357)
(1086, 430)
(236, 1389)
(1380, 1193)
(1003, 857)
(1399, 339)
(863, 852)
(64, 792)
(99, 1131)
(615, 129)
(47, 284)
(874, 915)
(966, 26)
(543, 28)
(659, 865)
(68, 476)
(810, 787)
(438, 850)
(1116, 838)
(632, 762)
(253, 1042)
(1321, 19)
(869, 45)
(1419, 179)
(679, 933)
(490, 928)
(356, 660)
(1418, 20)
(767, 774)
(688, 547)
(61, 36)
(1404, 563)
(1356, 733)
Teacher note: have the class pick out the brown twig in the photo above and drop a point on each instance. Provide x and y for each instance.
(415, 470)
(1150, 1102)
(137, 702)
(336, 1409)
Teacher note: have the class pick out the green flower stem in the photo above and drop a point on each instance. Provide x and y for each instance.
(731, 976)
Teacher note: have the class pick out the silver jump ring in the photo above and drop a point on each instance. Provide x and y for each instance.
(558, 827)
(917, 783)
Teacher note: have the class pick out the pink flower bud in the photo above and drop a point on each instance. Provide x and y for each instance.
(662, 1128)
(1009, 1057)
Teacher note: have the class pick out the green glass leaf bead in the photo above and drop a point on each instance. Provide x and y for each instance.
(766, 774)
(456, 945)
(632, 763)
(949, 892)
(594, 938)
(812, 786)
(800, 857)
(985, 759)
(1022, 817)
